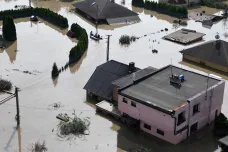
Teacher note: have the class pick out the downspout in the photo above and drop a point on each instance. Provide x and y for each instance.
(189, 105)
(209, 114)
(175, 124)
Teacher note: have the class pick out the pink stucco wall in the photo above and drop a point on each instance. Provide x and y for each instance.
(154, 118)
(206, 113)
(159, 120)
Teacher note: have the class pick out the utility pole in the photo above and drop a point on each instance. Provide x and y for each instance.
(108, 48)
(17, 106)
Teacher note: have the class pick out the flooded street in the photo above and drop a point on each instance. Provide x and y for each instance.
(40, 45)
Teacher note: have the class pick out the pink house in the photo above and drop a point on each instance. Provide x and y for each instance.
(171, 103)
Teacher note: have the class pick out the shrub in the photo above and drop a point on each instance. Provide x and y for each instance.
(5, 85)
(9, 29)
(214, 4)
(44, 13)
(55, 71)
(75, 126)
(221, 125)
(39, 147)
(125, 39)
(173, 10)
(82, 45)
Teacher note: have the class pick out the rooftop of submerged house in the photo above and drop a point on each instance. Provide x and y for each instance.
(156, 90)
(106, 10)
(212, 51)
(184, 36)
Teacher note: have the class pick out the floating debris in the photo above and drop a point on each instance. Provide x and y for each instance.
(154, 51)
(125, 39)
(26, 72)
(55, 106)
(166, 29)
(75, 126)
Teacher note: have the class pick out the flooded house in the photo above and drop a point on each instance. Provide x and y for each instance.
(184, 36)
(106, 11)
(172, 103)
(203, 16)
(211, 54)
(100, 83)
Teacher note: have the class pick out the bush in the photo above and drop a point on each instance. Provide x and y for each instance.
(44, 13)
(173, 10)
(39, 147)
(55, 71)
(221, 125)
(5, 85)
(125, 39)
(75, 126)
(214, 4)
(138, 3)
(9, 29)
(82, 45)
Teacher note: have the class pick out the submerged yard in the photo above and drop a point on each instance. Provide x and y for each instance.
(39, 45)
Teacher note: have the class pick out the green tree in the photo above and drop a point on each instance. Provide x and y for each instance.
(55, 71)
(9, 29)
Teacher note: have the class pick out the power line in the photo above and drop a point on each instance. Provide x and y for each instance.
(39, 108)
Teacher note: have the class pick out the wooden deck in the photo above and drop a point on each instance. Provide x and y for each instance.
(109, 108)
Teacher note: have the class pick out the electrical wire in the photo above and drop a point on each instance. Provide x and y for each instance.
(38, 108)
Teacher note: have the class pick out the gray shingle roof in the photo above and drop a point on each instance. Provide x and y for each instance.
(212, 51)
(129, 79)
(100, 83)
(106, 9)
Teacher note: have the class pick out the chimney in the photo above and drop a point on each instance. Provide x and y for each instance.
(131, 67)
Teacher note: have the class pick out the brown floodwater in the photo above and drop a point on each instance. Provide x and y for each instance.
(39, 45)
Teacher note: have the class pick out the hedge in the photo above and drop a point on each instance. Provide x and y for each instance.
(214, 4)
(44, 13)
(82, 45)
(173, 10)
(9, 29)
(221, 125)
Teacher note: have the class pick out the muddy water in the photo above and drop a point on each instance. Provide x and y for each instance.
(41, 44)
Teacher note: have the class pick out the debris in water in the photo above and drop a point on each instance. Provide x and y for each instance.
(75, 126)
(154, 51)
(55, 106)
(166, 29)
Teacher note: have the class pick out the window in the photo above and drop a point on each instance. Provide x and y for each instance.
(133, 104)
(160, 132)
(124, 100)
(195, 109)
(181, 118)
(147, 126)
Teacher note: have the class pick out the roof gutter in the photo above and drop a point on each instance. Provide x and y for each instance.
(169, 112)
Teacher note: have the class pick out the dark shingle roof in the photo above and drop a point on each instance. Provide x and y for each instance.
(106, 9)
(100, 83)
(156, 91)
(212, 51)
(224, 140)
(128, 80)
